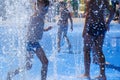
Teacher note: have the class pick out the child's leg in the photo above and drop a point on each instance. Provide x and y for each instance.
(29, 58)
(101, 57)
(87, 48)
(27, 66)
(66, 37)
(42, 57)
(59, 39)
(68, 42)
(94, 55)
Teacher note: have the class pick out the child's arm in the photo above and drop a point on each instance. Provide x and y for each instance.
(48, 28)
(111, 15)
(71, 21)
(87, 3)
(34, 7)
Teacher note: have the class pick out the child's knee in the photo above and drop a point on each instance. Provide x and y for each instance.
(46, 62)
(28, 65)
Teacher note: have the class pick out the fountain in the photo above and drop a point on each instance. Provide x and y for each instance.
(62, 66)
(12, 42)
(13, 36)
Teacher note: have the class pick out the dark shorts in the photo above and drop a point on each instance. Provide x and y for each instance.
(96, 29)
(62, 30)
(32, 46)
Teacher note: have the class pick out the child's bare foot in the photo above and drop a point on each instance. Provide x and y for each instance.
(58, 49)
(84, 76)
(100, 77)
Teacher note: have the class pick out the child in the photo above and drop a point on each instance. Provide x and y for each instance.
(63, 25)
(34, 35)
(94, 33)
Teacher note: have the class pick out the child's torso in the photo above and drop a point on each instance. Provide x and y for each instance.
(64, 15)
(95, 21)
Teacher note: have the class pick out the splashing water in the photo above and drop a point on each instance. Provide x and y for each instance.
(12, 46)
(13, 38)
(13, 32)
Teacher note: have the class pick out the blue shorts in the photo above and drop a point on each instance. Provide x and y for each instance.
(62, 30)
(32, 46)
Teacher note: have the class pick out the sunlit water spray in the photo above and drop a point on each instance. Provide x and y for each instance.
(13, 51)
(13, 32)
(13, 38)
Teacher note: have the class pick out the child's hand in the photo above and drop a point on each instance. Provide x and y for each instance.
(48, 28)
(107, 27)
